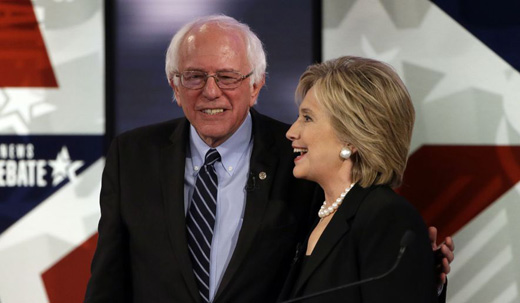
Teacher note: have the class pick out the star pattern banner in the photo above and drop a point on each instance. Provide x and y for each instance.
(464, 168)
(52, 128)
(463, 172)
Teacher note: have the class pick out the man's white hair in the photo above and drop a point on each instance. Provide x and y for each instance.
(254, 48)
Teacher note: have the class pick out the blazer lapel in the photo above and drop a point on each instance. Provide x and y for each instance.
(335, 230)
(263, 161)
(173, 157)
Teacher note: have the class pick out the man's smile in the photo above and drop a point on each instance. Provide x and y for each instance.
(213, 111)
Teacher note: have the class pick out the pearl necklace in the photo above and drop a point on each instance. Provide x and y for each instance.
(325, 211)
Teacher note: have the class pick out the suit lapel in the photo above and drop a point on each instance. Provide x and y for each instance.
(263, 160)
(173, 158)
(333, 233)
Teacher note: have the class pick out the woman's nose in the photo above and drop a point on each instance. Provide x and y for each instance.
(292, 132)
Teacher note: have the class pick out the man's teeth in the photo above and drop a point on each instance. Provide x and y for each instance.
(213, 111)
(300, 150)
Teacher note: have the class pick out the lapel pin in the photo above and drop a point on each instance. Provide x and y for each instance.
(262, 175)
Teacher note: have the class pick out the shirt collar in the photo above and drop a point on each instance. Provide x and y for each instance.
(230, 151)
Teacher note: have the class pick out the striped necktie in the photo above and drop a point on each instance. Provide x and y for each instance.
(201, 220)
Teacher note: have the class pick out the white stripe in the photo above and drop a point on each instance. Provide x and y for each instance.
(207, 189)
(201, 280)
(211, 152)
(212, 179)
(204, 202)
(203, 236)
(198, 262)
(197, 242)
(481, 238)
(509, 295)
(203, 217)
(466, 293)
(203, 296)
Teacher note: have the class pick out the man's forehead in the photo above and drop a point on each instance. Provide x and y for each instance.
(216, 34)
(213, 47)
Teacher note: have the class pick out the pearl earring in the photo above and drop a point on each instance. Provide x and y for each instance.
(345, 153)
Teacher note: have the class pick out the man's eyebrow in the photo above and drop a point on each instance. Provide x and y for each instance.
(223, 70)
(195, 69)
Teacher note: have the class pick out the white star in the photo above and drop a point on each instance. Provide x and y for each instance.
(63, 167)
(18, 106)
(385, 56)
(21, 101)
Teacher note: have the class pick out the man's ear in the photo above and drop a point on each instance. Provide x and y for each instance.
(255, 90)
(176, 94)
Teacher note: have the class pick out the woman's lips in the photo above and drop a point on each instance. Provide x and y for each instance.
(301, 151)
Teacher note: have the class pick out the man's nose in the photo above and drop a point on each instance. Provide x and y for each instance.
(211, 89)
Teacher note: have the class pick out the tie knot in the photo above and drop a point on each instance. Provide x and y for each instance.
(212, 156)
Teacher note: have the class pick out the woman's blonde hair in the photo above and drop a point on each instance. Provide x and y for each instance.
(370, 109)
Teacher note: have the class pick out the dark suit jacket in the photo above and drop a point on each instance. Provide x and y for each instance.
(361, 241)
(142, 253)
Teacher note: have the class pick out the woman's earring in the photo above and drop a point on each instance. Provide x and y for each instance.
(345, 153)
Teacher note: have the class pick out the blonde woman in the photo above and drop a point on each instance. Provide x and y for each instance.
(352, 137)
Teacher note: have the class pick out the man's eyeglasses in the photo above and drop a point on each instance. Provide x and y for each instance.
(225, 80)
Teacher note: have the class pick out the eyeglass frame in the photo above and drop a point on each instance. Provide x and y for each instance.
(215, 77)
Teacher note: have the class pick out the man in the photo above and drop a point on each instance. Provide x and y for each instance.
(157, 242)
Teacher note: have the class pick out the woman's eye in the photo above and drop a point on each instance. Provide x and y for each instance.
(307, 118)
